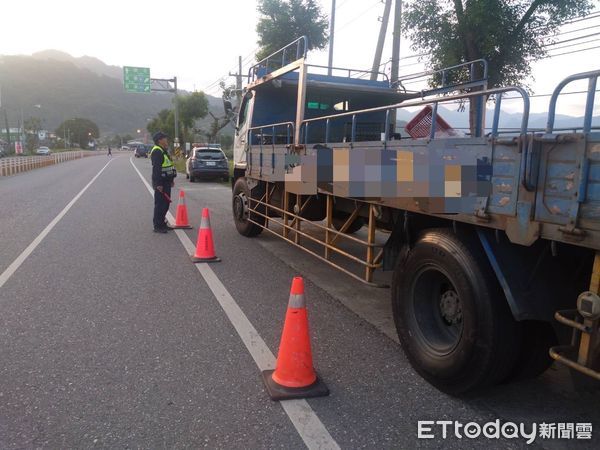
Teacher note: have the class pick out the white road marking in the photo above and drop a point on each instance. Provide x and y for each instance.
(305, 420)
(31, 247)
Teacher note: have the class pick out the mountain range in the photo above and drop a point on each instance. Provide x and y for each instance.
(55, 86)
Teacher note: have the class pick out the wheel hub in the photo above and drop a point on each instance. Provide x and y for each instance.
(450, 307)
(240, 205)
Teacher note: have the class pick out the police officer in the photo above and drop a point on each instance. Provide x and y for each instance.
(163, 174)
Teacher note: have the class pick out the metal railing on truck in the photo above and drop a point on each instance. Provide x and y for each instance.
(592, 78)
(583, 354)
(449, 81)
(271, 140)
(267, 137)
(280, 58)
(299, 49)
(498, 92)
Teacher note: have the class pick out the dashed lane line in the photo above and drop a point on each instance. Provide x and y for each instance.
(10, 270)
(305, 420)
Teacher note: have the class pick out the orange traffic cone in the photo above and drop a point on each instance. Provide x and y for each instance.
(205, 248)
(181, 218)
(294, 375)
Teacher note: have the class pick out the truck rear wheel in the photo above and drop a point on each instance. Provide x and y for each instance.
(241, 196)
(533, 358)
(452, 319)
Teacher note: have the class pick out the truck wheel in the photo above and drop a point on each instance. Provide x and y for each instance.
(533, 358)
(452, 319)
(339, 219)
(241, 194)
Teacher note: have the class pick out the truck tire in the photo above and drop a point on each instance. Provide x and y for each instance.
(241, 194)
(452, 319)
(533, 358)
(339, 219)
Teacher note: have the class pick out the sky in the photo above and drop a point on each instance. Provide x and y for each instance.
(199, 40)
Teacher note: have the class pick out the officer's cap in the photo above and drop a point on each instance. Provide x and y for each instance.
(158, 136)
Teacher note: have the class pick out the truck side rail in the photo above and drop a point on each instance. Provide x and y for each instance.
(273, 127)
(351, 73)
(263, 138)
(435, 102)
(592, 78)
(445, 75)
(296, 49)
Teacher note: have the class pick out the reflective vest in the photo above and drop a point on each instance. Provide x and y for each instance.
(168, 168)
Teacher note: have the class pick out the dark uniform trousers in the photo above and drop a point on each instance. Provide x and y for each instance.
(161, 205)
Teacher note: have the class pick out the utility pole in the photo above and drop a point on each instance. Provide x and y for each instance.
(396, 53)
(7, 129)
(22, 131)
(382, 31)
(331, 33)
(164, 86)
(176, 140)
(238, 80)
(5, 121)
(396, 41)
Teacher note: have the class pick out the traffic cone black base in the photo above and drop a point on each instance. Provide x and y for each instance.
(181, 227)
(278, 392)
(205, 260)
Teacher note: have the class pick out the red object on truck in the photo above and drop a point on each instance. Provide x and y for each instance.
(420, 125)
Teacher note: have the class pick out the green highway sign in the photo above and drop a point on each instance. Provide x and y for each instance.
(136, 79)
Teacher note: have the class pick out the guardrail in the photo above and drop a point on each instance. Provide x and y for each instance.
(18, 164)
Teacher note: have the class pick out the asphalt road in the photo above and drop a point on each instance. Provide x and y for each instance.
(110, 337)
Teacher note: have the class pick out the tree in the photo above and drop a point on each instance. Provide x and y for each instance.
(217, 124)
(32, 127)
(191, 108)
(164, 121)
(509, 34)
(78, 130)
(283, 21)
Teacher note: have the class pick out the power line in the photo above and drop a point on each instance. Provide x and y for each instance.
(358, 16)
(415, 56)
(572, 39)
(577, 30)
(341, 4)
(575, 44)
(571, 52)
(588, 17)
(245, 60)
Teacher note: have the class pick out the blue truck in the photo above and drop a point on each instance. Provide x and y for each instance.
(492, 234)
